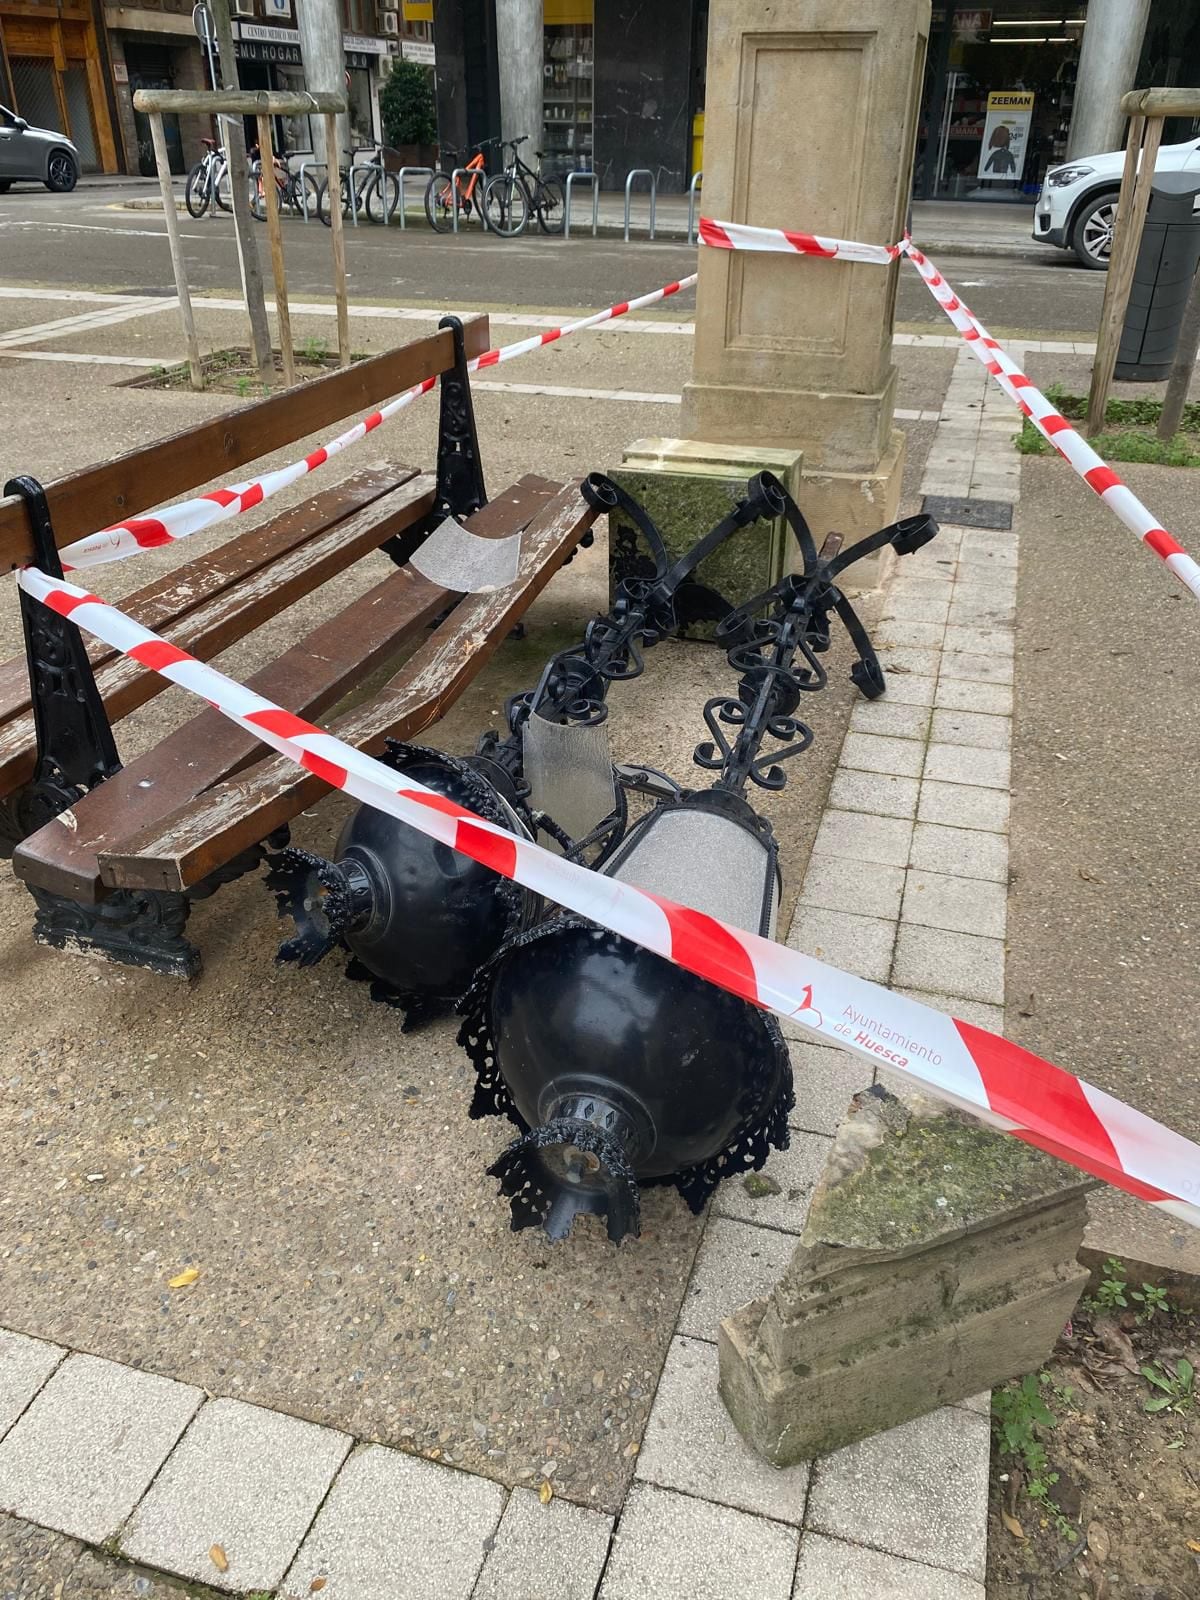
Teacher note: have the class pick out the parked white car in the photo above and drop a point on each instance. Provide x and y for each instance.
(1077, 205)
(35, 155)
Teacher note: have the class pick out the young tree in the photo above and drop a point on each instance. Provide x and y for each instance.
(406, 105)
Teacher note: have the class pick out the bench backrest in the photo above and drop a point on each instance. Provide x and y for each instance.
(83, 502)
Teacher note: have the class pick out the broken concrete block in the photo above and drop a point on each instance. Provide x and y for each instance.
(938, 1260)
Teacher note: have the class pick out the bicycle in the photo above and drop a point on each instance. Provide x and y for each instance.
(443, 191)
(289, 192)
(376, 193)
(518, 190)
(205, 179)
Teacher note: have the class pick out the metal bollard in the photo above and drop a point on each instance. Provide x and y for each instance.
(305, 167)
(460, 172)
(404, 173)
(582, 177)
(641, 172)
(693, 188)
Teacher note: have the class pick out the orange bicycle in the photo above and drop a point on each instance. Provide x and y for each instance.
(445, 193)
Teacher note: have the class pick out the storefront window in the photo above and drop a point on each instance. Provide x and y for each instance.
(567, 85)
(997, 106)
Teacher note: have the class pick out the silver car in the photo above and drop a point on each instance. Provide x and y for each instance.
(35, 155)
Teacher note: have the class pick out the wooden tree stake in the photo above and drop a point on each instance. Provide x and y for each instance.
(163, 162)
(266, 169)
(334, 197)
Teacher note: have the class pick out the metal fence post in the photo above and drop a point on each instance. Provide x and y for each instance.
(693, 188)
(306, 167)
(459, 172)
(405, 173)
(640, 172)
(582, 177)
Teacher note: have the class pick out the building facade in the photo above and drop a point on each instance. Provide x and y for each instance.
(623, 85)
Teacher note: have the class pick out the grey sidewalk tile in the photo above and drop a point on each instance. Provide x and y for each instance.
(81, 1457)
(242, 1477)
(864, 888)
(993, 699)
(960, 905)
(901, 659)
(862, 945)
(99, 1577)
(795, 1170)
(976, 668)
(876, 793)
(825, 1083)
(874, 752)
(888, 716)
(980, 1404)
(961, 763)
(962, 852)
(915, 608)
(919, 1491)
(980, 641)
(910, 689)
(973, 728)
(950, 963)
(858, 836)
(552, 1552)
(980, 1012)
(735, 1263)
(831, 1569)
(691, 1443)
(962, 805)
(986, 610)
(902, 633)
(671, 1547)
(399, 1527)
(25, 1364)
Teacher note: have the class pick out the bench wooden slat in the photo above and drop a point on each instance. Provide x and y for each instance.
(231, 817)
(96, 497)
(216, 624)
(164, 602)
(310, 677)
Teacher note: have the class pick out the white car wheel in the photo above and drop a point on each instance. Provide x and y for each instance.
(1092, 234)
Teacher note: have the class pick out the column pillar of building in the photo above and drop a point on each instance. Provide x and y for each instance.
(811, 119)
(1108, 61)
(324, 58)
(519, 58)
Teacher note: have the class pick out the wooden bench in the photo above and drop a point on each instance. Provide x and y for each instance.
(114, 855)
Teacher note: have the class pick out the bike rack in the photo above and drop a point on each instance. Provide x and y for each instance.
(306, 166)
(641, 172)
(581, 177)
(693, 189)
(403, 175)
(454, 177)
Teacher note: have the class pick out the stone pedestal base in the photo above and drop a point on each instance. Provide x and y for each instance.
(855, 504)
(938, 1261)
(688, 486)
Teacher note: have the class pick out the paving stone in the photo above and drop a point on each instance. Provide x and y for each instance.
(34, 1563)
(901, 659)
(82, 1456)
(872, 752)
(988, 610)
(826, 1081)
(25, 1364)
(735, 1263)
(864, 888)
(100, 1577)
(962, 805)
(976, 668)
(962, 852)
(980, 1012)
(242, 1477)
(874, 792)
(673, 1547)
(960, 763)
(909, 689)
(795, 1170)
(858, 836)
(902, 633)
(919, 1491)
(974, 728)
(962, 905)
(831, 1569)
(552, 1552)
(398, 1526)
(862, 945)
(691, 1443)
(888, 716)
(955, 694)
(950, 963)
(915, 608)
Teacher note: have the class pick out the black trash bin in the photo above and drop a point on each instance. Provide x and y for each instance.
(1162, 279)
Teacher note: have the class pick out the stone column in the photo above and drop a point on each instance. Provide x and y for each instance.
(519, 55)
(811, 119)
(321, 50)
(1108, 61)
(938, 1260)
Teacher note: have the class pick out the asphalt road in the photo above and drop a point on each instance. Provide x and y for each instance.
(89, 240)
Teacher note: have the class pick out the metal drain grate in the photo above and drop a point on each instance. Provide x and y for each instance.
(968, 513)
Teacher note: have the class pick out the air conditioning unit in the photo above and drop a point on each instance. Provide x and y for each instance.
(389, 5)
(243, 8)
(391, 22)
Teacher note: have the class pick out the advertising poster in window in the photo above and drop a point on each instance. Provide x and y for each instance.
(1005, 135)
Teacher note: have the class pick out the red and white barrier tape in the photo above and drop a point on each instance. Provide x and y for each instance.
(1006, 1086)
(1029, 400)
(135, 534)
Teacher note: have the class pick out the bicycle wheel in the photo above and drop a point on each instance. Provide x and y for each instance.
(506, 206)
(221, 188)
(323, 201)
(439, 201)
(304, 196)
(550, 203)
(195, 191)
(383, 197)
(258, 201)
